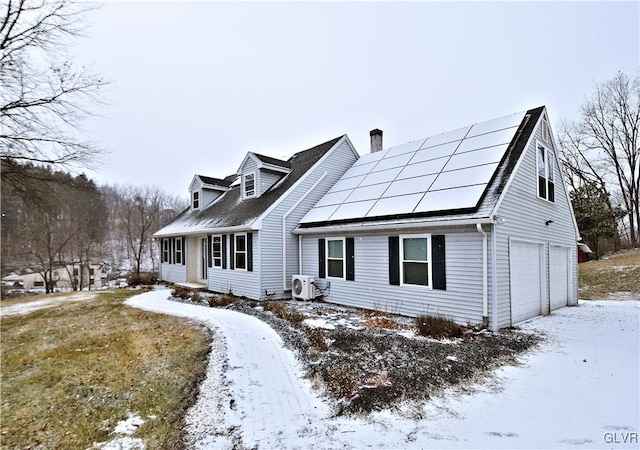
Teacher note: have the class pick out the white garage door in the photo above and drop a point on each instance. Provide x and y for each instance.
(558, 276)
(524, 263)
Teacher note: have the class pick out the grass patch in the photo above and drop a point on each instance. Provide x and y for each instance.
(615, 273)
(71, 372)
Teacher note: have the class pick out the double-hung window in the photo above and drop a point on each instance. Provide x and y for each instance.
(414, 260)
(546, 163)
(216, 250)
(250, 185)
(196, 200)
(240, 252)
(335, 258)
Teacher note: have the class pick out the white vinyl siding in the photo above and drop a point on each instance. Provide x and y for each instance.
(237, 282)
(371, 289)
(526, 216)
(273, 277)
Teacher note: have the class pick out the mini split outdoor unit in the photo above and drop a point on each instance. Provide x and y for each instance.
(302, 287)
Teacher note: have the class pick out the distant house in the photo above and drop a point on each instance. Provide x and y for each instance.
(236, 236)
(85, 277)
(475, 224)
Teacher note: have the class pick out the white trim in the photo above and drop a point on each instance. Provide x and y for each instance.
(429, 262)
(213, 259)
(344, 257)
(255, 184)
(235, 251)
(200, 231)
(391, 225)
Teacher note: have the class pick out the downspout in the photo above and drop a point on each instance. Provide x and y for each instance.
(494, 278)
(485, 290)
(284, 229)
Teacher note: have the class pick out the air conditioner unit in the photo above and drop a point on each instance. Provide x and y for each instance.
(302, 287)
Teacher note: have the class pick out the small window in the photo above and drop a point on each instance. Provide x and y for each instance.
(216, 249)
(250, 185)
(335, 258)
(38, 283)
(178, 253)
(240, 252)
(414, 260)
(196, 200)
(546, 178)
(546, 131)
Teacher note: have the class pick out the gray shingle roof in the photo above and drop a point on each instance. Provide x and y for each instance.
(229, 210)
(217, 181)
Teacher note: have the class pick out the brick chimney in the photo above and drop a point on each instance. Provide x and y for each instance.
(376, 140)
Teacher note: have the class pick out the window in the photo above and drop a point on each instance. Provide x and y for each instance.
(335, 258)
(546, 131)
(216, 250)
(196, 200)
(414, 260)
(177, 259)
(165, 250)
(250, 185)
(546, 184)
(240, 252)
(38, 283)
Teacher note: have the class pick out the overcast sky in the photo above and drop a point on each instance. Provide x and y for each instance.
(195, 86)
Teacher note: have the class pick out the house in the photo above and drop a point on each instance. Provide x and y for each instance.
(85, 277)
(474, 224)
(237, 234)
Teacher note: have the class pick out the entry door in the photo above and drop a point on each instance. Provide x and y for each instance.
(203, 258)
(525, 270)
(559, 276)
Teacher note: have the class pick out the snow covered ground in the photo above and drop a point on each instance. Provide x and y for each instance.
(578, 389)
(27, 307)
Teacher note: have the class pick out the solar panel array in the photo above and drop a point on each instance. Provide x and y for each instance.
(444, 172)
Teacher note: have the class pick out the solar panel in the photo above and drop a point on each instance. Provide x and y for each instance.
(444, 172)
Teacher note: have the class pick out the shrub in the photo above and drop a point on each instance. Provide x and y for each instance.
(438, 327)
(316, 339)
(282, 311)
(341, 381)
(220, 301)
(181, 292)
(142, 278)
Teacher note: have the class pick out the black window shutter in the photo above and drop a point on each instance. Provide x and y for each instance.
(184, 251)
(209, 259)
(438, 260)
(232, 243)
(394, 260)
(321, 266)
(250, 252)
(224, 251)
(350, 259)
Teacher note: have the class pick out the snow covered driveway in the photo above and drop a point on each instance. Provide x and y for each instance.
(579, 389)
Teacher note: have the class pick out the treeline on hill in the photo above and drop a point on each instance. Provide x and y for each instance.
(52, 219)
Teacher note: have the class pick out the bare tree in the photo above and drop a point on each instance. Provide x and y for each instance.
(603, 147)
(44, 97)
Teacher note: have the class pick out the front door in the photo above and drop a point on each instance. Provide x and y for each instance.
(203, 258)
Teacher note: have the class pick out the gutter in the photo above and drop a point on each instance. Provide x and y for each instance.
(485, 282)
(368, 226)
(284, 228)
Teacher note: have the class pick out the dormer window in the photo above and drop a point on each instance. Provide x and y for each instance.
(250, 185)
(195, 203)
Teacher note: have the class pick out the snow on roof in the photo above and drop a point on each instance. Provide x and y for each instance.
(442, 174)
(230, 211)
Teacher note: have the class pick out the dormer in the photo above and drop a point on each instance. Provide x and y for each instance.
(204, 190)
(258, 173)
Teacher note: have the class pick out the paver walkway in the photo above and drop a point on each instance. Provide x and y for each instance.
(266, 395)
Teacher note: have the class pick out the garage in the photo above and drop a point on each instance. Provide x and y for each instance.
(526, 280)
(558, 276)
